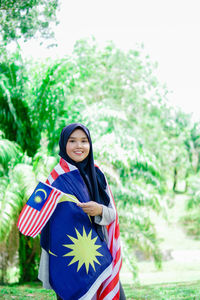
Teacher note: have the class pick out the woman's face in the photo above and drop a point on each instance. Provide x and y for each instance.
(78, 146)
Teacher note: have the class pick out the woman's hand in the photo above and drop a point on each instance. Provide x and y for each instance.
(91, 208)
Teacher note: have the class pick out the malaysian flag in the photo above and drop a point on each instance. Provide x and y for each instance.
(79, 261)
(38, 209)
(109, 290)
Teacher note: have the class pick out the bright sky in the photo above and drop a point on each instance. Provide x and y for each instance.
(169, 30)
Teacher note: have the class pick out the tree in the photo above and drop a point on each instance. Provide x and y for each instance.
(26, 19)
(15, 114)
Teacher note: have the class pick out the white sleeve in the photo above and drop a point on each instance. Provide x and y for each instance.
(108, 216)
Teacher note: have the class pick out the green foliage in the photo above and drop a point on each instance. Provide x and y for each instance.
(172, 291)
(16, 188)
(29, 250)
(26, 18)
(191, 220)
(15, 113)
(10, 154)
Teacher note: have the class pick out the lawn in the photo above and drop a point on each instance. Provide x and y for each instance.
(170, 291)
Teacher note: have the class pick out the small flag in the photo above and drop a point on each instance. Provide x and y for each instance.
(38, 209)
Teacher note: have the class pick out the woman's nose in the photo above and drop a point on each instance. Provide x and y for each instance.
(78, 143)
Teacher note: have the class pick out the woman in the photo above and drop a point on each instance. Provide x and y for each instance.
(77, 154)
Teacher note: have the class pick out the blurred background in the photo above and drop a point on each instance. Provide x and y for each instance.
(129, 70)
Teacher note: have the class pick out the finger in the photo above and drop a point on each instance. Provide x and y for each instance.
(80, 204)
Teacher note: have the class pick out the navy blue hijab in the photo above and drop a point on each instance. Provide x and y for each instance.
(93, 177)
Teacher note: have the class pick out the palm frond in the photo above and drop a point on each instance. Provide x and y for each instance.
(19, 187)
(10, 153)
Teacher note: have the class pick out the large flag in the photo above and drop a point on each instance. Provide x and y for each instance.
(38, 209)
(109, 289)
(79, 261)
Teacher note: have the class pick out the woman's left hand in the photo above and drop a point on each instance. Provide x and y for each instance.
(91, 208)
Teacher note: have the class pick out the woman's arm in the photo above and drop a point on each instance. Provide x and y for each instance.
(104, 215)
(107, 217)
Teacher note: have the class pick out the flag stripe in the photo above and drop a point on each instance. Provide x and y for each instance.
(114, 294)
(31, 217)
(21, 216)
(117, 232)
(54, 174)
(50, 179)
(59, 170)
(64, 165)
(111, 282)
(26, 216)
(110, 288)
(22, 212)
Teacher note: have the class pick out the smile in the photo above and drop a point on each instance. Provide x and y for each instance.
(78, 152)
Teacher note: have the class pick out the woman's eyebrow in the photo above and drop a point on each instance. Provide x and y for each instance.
(73, 137)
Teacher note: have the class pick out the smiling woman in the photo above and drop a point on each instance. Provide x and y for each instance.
(81, 253)
(78, 146)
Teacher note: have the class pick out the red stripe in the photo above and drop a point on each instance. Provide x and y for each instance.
(47, 181)
(117, 296)
(117, 232)
(110, 287)
(26, 216)
(118, 255)
(32, 218)
(64, 165)
(44, 221)
(111, 247)
(113, 199)
(31, 210)
(54, 174)
(44, 208)
(20, 216)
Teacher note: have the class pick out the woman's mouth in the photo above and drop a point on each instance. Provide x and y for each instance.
(78, 152)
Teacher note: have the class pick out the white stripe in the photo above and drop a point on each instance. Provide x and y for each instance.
(93, 289)
(110, 234)
(51, 180)
(115, 270)
(112, 293)
(71, 167)
(59, 169)
(22, 216)
(44, 212)
(30, 220)
(29, 209)
(115, 247)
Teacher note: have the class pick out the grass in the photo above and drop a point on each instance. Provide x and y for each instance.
(169, 291)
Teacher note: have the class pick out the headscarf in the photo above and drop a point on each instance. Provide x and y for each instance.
(93, 178)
